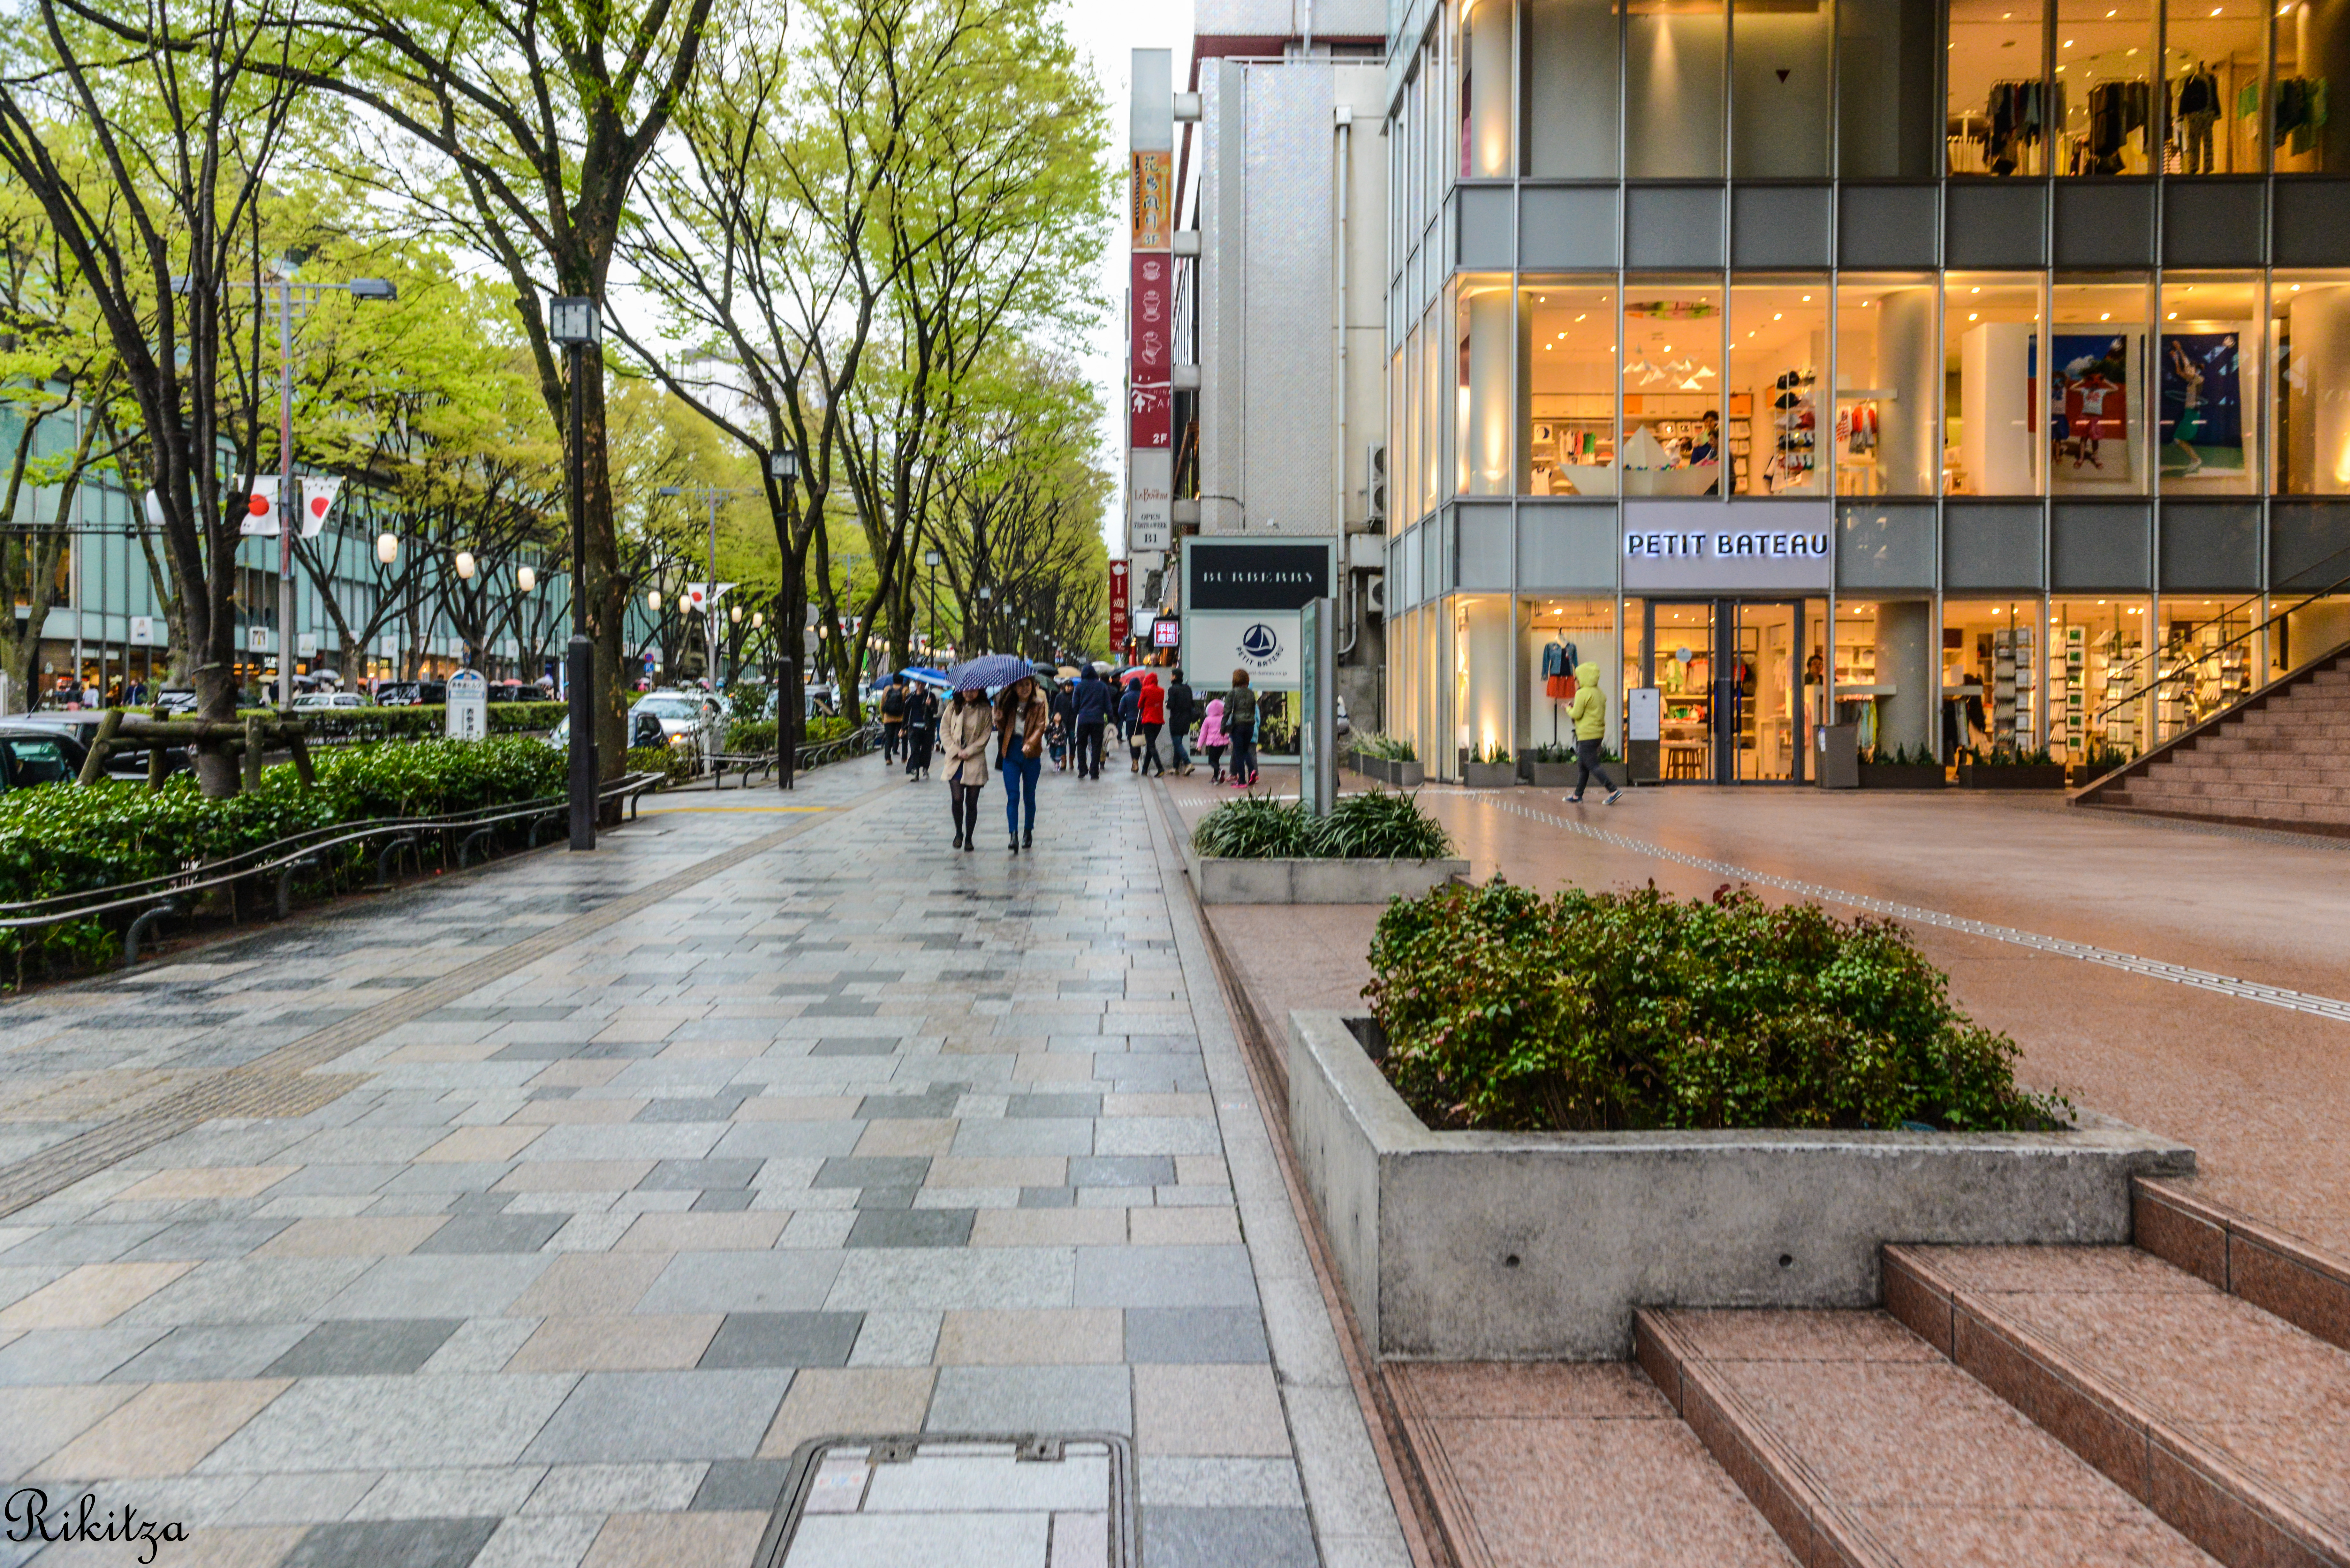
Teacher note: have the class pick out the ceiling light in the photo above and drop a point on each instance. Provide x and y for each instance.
(2105, 315)
(2068, 43)
(1971, 315)
(2172, 316)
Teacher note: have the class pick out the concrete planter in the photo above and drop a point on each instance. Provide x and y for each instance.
(1221, 880)
(1562, 776)
(1390, 770)
(1902, 775)
(1458, 1246)
(2014, 775)
(1488, 775)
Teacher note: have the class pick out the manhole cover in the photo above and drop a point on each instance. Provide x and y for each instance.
(1014, 1500)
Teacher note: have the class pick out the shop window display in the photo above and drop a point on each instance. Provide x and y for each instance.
(1673, 69)
(1679, 661)
(1782, 60)
(2312, 61)
(2104, 84)
(1483, 50)
(2213, 58)
(1991, 676)
(1678, 439)
(1778, 353)
(2210, 658)
(2207, 385)
(2000, 113)
(1882, 442)
(2307, 625)
(1991, 330)
(1567, 366)
(1483, 396)
(2095, 383)
(1556, 640)
(2097, 674)
(2309, 325)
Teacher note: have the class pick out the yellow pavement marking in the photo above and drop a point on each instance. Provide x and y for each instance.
(663, 810)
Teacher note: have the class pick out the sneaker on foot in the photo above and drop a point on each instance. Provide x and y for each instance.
(1575, 800)
(1613, 797)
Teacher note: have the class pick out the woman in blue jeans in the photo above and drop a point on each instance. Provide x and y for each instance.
(1022, 718)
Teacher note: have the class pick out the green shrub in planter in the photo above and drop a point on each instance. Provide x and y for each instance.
(1377, 824)
(675, 763)
(1625, 1010)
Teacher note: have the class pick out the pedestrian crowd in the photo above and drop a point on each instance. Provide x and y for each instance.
(1014, 732)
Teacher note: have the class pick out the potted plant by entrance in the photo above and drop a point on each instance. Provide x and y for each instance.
(1901, 768)
(1553, 767)
(1385, 757)
(2004, 769)
(1491, 770)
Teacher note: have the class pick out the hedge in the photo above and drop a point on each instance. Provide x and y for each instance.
(61, 838)
(1591, 1012)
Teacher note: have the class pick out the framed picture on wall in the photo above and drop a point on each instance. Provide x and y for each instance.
(2203, 408)
(2089, 399)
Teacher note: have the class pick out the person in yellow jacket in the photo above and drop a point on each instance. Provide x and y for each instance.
(1589, 713)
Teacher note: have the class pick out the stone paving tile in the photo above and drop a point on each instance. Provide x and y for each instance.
(801, 1151)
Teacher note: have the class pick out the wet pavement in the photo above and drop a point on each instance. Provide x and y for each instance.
(630, 1175)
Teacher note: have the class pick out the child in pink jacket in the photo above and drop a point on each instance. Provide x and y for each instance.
(1212, 738)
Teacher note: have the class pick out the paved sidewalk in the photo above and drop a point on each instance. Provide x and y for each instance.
(855, 1136)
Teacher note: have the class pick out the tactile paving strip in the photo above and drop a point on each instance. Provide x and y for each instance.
(2153, 969)
(1052, 1499)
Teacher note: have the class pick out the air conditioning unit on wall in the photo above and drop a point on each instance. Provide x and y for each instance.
(1375, 593)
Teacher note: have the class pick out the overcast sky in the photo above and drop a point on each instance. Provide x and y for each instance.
(1109, 32)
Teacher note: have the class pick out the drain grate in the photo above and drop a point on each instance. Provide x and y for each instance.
(1031, 1500)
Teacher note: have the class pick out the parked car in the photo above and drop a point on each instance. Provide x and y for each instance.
(174, 700)
(516, 692)
(311, 702)
(411, 693)
(687, 719)
(38, 755)
(644, 729)
(80, 726)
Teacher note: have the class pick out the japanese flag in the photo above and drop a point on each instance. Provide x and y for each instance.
(261, 509)
(318, 497)
(701, 596)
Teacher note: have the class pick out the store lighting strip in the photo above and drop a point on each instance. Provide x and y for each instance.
(2177, 975)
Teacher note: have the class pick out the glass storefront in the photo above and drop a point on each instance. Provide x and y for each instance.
(1675, 440)
(1566, 358)
(1991, 676)
(2099, 678)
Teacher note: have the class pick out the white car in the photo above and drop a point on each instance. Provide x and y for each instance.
(311, 702)
(687, 719)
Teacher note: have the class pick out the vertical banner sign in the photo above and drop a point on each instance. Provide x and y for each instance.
(1154, 314)
(1120, 608)
(1317, 718)
(1151, 306)
(1154, 181)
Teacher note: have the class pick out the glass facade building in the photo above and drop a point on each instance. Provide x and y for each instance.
(1956, 371)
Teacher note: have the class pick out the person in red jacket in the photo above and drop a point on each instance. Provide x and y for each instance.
(1150, 713)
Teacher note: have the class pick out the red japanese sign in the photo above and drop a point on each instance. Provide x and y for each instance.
(1150, 416)
(1151, 333)
(1121, 624)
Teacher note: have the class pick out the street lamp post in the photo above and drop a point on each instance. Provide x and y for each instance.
(573, 323)
(289, 503)
(930, 559)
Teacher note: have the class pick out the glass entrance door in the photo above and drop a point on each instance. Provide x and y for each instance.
(1728, 675)
(1680, 647)
(1766, 686)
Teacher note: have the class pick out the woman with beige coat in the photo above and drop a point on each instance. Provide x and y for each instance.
(963, 734)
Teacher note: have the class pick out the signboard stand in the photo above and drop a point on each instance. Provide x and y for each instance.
(1317, 719)
(469, 706)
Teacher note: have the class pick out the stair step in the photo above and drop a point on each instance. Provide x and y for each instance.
(1863, 1445)
(1521, 1457)
(2230, 1423)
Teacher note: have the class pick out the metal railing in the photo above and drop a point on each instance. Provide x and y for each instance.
(815, 754)
(2164, 677)
(159, 898)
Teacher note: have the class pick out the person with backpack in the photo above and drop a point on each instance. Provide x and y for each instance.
(922, 729)
(1091, 702)
(1183, 707)
(1064, 736)
(893, 718)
